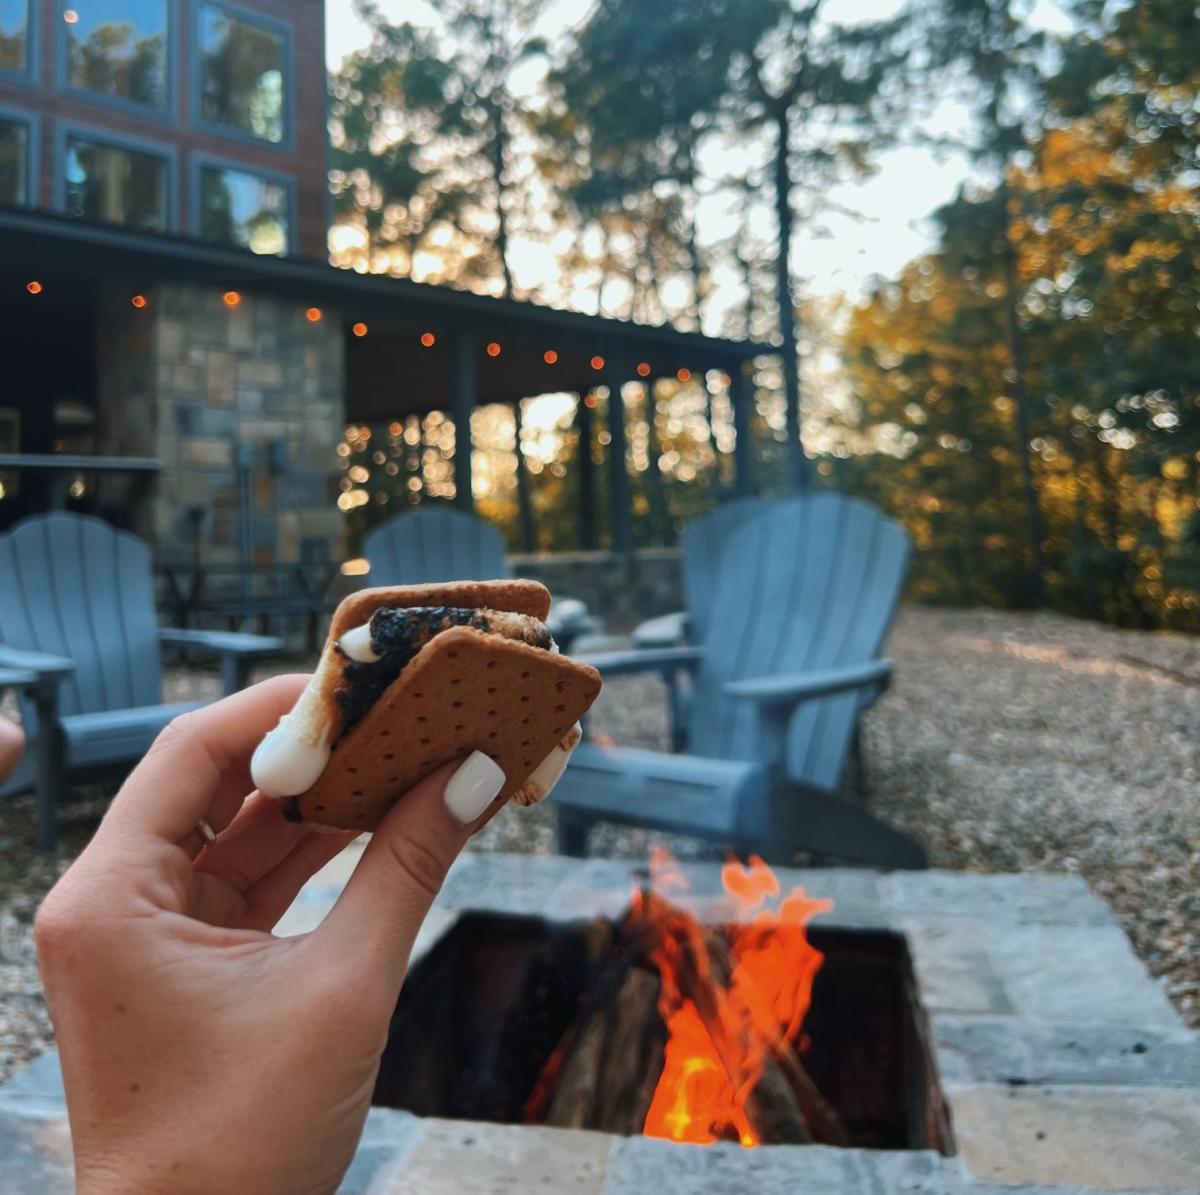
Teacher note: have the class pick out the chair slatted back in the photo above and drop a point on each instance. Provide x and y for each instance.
(704, 539)
(434, 545)
(74, 586)
(813, 583)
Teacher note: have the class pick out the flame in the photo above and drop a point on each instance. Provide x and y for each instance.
(721, 1028)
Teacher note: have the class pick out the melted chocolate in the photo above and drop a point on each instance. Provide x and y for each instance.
(396, 637)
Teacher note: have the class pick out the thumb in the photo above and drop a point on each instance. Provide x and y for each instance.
(371, 929)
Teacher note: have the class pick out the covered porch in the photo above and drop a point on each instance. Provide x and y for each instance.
(401, 349)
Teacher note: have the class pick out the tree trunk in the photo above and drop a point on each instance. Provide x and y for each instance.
(603, 269)
(797, 465)
(660, 518)
(1016, 362)
(695, 262)
(499, 158)
(748, 282)
(524, 496)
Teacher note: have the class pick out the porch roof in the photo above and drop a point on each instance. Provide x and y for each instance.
(389, 371)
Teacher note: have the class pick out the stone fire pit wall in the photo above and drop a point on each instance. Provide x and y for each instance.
(1064, 1066)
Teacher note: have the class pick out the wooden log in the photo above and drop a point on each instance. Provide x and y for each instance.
(819, 1114)
(630, 1057)
(611, 1060)
(575, 1092)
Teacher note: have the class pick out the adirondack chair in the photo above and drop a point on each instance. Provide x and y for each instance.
(789, 659)
(703, 541)
(434, 544)
(77, 613)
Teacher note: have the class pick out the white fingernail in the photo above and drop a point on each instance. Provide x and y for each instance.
(474, 787)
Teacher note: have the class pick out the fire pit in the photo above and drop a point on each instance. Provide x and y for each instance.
(762, 1032)
(1060, 1063)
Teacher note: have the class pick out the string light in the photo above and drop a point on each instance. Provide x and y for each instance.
(34, 287)
(360, 329)
(313, 315)
(493, 349)
(643, 369)
(590, 402)
(550, 356)
(428, 340)
(232, 298)
(597, 362)
(139, 301)
(684, 375)
(71, 17)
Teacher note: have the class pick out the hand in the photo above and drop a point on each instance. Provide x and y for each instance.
(199, 1052)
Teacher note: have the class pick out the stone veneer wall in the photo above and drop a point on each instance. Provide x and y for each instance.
(244, 401)
(621, 594)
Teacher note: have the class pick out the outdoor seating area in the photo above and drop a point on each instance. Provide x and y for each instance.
(599, 598)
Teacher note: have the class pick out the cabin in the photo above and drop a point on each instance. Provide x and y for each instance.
(178, 354)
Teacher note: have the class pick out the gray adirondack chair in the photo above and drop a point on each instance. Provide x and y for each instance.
(440, 544)
(804, 597)
(77, 613)
(703, 541)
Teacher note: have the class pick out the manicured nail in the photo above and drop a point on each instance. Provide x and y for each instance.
(474, 787)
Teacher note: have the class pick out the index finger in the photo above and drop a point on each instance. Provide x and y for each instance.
(199, 767)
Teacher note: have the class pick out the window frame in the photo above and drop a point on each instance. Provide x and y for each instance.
(100, 135)
(169, 114)
(33, 157)
(203, 161)
(286, 145)
(31, 75)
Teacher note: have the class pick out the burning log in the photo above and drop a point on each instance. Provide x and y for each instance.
(610, 1060)
(784, 1107)
(687, 1035)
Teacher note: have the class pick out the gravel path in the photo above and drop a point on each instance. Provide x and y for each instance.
(1009, 742)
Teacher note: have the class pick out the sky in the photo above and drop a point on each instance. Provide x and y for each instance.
(890, 225)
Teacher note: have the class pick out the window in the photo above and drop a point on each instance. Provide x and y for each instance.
(243, 209)
(14, 161)
(14, 36)
(116, 184)
(118, 48)
(241, 74)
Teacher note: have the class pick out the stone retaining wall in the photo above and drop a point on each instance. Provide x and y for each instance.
(620, 592)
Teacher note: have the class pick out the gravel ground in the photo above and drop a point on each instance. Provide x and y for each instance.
(1009, 742)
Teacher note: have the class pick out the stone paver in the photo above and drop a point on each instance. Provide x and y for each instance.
(1077, 973)
(1105, 1138)
(506, 883)
(640, 1165)
(1020, 899)
(35, 1155)
(955, 972)
(465, 1158)
(974, 1049)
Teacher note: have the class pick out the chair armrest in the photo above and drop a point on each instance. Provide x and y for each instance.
(794, 687)
(44, 665)
(669, 630)
(11, 678)
(618, 663)
(222, 643)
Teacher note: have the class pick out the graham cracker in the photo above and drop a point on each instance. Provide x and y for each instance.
(464, 691)
(519, 597)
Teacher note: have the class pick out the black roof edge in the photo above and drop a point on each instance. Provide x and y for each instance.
(51, 241)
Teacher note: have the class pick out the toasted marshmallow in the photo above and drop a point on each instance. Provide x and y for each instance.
(549, 772)
(285, 765)
(356, 644)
